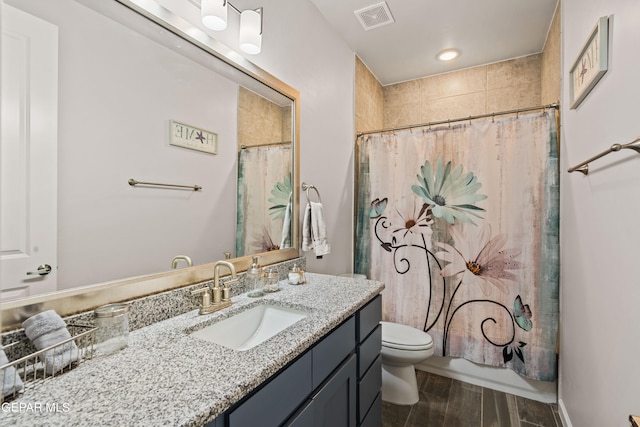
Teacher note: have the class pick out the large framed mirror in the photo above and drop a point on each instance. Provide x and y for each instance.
(130, 90)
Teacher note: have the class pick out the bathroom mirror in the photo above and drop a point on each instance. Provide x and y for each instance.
(133, 80)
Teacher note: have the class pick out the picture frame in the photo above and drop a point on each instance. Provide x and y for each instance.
(591, 64)
(193, 138)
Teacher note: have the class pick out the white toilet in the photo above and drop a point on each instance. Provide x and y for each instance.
(402, 347)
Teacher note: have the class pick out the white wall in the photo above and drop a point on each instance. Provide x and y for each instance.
(600, 233)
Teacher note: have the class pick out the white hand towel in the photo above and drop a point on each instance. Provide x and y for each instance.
(314, 230)
(47, 329)
(11, 382)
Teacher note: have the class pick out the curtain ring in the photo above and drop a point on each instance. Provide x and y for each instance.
(449, 122)
(517, 113)
(493, 117)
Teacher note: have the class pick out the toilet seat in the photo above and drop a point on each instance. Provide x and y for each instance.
(402, 337)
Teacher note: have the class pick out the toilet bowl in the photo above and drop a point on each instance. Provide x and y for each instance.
(402, 347)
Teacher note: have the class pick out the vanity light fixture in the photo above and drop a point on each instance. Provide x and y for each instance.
(448, 54)
(214, 15)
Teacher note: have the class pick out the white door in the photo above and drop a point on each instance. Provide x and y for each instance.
(28, 154)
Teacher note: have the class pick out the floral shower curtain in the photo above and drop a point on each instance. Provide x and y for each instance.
(461, 223)
(264, 199)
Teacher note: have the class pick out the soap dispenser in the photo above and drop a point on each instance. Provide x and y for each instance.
(254, 279)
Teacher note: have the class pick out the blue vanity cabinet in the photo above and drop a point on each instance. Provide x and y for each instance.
(333, 384)
(369, 345)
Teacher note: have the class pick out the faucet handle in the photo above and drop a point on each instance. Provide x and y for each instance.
(206, 296)
(226, 290)
(230, 281)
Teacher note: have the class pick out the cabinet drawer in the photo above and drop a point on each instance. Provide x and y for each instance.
(332, 350)
(374, 416)
(369, 350)
(278, 399)
(369, 317)
(369, 387)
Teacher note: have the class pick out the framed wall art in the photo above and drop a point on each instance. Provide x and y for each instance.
(591, 64)
(187, 136)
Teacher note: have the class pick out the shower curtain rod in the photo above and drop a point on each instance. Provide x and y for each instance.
(461, 119)
(244, 147)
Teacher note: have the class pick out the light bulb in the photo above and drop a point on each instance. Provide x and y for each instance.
(448, 55)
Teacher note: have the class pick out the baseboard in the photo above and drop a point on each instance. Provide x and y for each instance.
(564, 417)
(501, 379)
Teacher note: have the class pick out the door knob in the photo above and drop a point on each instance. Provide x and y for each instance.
(43, 270)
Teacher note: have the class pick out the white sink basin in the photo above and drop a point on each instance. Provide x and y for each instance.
(251, 327)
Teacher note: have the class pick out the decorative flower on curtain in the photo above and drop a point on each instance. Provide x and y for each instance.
(412, 218)
(480, 259)
(450, 193)
(281, 199)
(263, 241)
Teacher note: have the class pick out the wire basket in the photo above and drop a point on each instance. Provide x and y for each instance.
(29, 371)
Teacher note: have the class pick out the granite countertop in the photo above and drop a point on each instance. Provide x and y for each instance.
(167, 377)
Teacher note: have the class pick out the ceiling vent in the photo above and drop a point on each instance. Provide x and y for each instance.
(374, 16)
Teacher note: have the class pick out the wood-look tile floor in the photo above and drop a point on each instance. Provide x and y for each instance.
(445, 402)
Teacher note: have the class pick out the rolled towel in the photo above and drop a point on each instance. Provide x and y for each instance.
(11, 382)
(43, 323)
(48, 329)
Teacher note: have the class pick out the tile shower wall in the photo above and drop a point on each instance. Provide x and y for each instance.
(260, 121)
(369, 105)
(501, 86)
(551, 68)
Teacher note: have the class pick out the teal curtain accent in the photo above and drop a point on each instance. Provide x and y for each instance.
(363, 225)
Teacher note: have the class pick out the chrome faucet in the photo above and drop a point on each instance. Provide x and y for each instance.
(174, 262)
(220, 297)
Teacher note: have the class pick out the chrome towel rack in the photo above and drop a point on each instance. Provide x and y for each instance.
(306, 187)
(584, 166)
(133, 182)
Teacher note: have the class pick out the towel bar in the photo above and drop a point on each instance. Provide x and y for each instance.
(584, 166)
(306, 187)
(133, 182)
